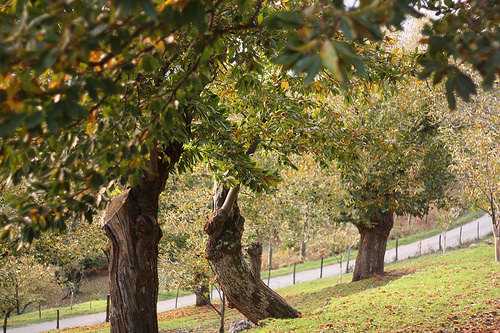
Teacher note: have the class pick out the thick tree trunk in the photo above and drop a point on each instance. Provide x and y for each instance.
(134, 235)
(202, 293)
(245, 291)
(131, 225)
(372, 246)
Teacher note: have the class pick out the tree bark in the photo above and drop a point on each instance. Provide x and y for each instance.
(254, 252)
(245, 291)
(133, 267)
(131, 225)
(372, 246)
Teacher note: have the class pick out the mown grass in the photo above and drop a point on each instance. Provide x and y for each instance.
(434, 293)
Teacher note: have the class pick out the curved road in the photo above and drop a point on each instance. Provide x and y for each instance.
(470, 232)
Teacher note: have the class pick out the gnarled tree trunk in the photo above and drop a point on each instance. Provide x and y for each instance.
(372, 246)
(133, 266)
(131, 225)
(245, 291)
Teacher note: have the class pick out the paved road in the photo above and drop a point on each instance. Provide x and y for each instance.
(470, 232)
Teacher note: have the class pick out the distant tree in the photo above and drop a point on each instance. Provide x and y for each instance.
(80, 248)
(474, 139)
(23, 282)
(392, 159)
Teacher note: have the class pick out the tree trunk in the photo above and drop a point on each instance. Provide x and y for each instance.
(134, 235)
(202, 293)
(496, 237)
(245, 291)
(254, 252)
(303, 250)
(6, 315)
(372, 246)
(131, 225)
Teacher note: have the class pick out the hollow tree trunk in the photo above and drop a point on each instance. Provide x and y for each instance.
(245, 291)
(372, 246)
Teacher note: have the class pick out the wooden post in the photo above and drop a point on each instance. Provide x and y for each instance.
(460, 237)
(420, 248)
(321, 269)
(107, 307)
(176, 297)
(397, 245)
(477, 230)
(440, 247)
(57, 319)
(294, 266)
(39, 310)
(269, 263)
(348, 258)
(340, 262)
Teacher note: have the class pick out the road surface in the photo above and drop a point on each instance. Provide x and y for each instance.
(470, 232)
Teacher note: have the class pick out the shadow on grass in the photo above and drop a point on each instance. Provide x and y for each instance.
(320, 298)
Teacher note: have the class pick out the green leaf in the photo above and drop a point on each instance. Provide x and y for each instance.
(149, 63)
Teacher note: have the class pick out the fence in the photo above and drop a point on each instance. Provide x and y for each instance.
(453, 238)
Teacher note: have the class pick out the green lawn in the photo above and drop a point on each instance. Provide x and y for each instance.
(435, 293)
(431, 293)
(100, 305)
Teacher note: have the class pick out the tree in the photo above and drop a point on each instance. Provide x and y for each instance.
(391, 158)
(80, 248)
(23, 282)
(265, 118)
(473, 139)
(97, 95)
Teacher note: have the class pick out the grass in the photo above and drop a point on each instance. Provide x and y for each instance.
(434, 293)
(466, 218)
(100, 305)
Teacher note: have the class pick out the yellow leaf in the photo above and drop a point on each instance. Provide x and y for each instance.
(285, 85)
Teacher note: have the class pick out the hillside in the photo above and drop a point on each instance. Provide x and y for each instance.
(457, 291)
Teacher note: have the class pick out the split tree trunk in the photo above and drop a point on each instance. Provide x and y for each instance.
(244, 290)
(372, 246)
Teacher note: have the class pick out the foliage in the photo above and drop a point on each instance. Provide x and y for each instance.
(474, 140)
(23, 281)
(389, 151)
(329, 35)
(80, 248)
(91, 89)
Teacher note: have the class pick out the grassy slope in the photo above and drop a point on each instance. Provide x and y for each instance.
(454, 290)
(100, 305)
